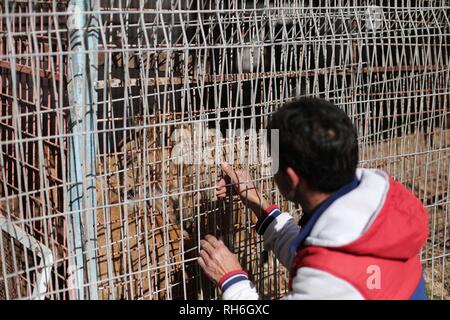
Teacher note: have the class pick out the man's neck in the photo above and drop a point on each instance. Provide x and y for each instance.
(311, 200)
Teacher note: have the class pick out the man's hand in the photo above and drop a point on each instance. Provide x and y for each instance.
(215, 258)
(242, 185)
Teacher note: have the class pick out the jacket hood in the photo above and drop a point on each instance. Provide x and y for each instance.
(379, 218)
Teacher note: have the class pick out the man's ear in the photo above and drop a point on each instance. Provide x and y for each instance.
(294, 179)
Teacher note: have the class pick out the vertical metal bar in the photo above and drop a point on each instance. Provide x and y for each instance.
(92, 143)
(82, 72)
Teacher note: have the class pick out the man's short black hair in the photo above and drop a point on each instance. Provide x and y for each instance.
(318, 141)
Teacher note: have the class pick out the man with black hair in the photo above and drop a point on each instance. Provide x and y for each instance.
(361, 231)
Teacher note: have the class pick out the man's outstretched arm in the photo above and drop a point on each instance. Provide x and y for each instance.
(277, 228)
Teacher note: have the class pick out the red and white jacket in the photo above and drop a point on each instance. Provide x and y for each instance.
(363, 242)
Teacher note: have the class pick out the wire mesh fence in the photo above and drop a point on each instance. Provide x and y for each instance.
(114, 115)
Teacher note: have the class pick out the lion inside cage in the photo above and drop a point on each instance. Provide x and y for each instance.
(148, 246)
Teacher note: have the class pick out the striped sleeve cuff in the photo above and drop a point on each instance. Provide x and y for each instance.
(270, 214)
(231, 278)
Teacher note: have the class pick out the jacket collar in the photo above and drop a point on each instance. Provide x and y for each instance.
(316, 213)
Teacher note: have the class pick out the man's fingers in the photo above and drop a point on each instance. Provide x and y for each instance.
(205, 245)
(221, 190)
(205, 257)
(228, 170)
(201, 262)
(221, 193)
(221, 184)
(212, 240)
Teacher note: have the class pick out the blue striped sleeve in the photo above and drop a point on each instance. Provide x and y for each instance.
(267, 220)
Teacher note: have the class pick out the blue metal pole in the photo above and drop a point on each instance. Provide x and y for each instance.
(82, 72)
